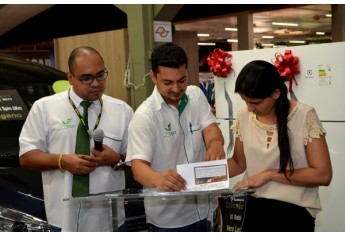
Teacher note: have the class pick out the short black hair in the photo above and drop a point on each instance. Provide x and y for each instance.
(169, 55)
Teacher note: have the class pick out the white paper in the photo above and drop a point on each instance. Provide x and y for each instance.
(207, 175)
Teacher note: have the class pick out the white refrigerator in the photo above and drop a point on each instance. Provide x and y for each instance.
(321, 83)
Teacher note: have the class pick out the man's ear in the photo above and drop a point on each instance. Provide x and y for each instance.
(153, 77)
(69, 77)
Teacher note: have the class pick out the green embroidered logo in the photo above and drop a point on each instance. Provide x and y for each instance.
(168, 128)
(66, 124)
(169, 132)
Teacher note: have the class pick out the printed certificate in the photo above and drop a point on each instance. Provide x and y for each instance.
(207, 175)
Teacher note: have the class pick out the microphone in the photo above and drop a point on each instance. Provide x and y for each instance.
(98, 136)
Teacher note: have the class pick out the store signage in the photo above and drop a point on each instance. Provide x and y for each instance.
(40, 57)
(162, 31)
(233, 208)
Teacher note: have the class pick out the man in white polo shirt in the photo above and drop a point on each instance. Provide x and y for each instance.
(48, 141)
(173, 126)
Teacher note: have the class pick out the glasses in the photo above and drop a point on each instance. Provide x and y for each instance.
(88, 79)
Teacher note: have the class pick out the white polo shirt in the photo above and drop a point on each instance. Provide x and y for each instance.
(51, 126)
(158, 135)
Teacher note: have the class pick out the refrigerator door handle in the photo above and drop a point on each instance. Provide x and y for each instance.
(231, 114)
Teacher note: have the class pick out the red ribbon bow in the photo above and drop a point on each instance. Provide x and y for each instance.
(219, 62)
(287, 66)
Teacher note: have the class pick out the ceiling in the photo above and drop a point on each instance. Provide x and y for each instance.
(310, 19)
(37, 25)
(28, 24)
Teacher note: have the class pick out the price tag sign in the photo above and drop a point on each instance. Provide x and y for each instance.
(12, 106)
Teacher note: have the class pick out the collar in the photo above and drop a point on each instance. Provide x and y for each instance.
(77, 100)
(159, 101)
(182, 104)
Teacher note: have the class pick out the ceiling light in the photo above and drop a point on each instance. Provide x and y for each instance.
(207, 44)
(284, 24)
(296, 41)
(203, 35)
(328, 15)
(268, 37)
(320, 33)
(230, 29)
(232, 40)
(267, 44)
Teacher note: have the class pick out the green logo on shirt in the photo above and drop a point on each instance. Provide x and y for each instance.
(66, 124)
(168, 128)
(168, 132)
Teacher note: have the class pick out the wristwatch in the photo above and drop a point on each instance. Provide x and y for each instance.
(122, 158)
(118, 165)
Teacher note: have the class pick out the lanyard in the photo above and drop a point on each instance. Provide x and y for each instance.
(81, 118)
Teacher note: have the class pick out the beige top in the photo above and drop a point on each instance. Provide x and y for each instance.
(260, 143)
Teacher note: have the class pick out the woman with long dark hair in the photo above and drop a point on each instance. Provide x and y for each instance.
(281, 145)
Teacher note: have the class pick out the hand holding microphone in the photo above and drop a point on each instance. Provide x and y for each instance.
(98, 136)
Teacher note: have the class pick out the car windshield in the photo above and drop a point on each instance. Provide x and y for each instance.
(21, 84)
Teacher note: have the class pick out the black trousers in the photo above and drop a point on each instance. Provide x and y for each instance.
(267, 215)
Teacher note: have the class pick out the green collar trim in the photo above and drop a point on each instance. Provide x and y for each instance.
(183, 104)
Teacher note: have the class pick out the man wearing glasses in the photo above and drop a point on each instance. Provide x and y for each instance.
(48, 144)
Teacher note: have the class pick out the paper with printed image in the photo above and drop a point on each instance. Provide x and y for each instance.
(207, 175)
